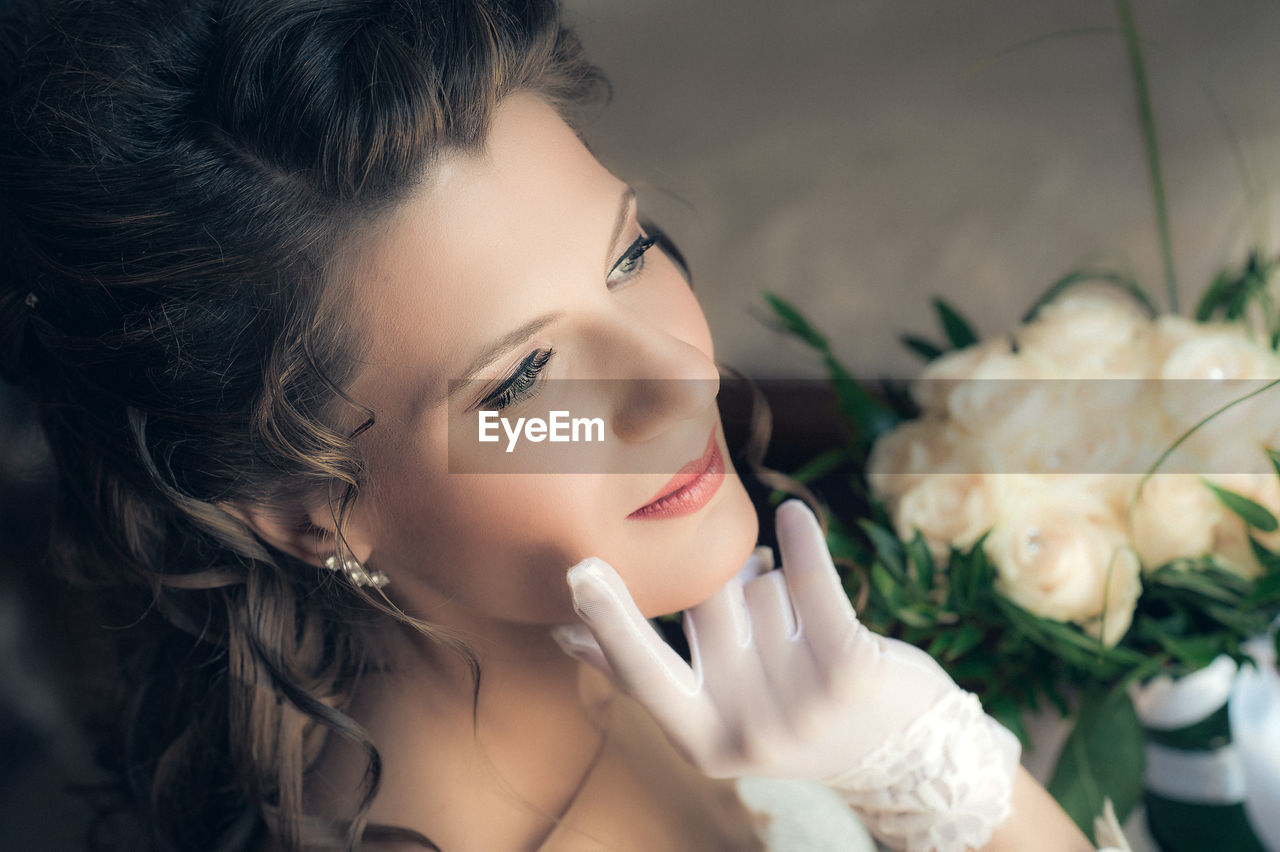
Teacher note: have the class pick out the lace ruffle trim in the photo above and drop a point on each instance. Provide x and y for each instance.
(941, 785)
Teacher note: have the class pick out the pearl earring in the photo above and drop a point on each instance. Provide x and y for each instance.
(356, 573)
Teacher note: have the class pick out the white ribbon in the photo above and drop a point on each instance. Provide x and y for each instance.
(1254, 712)
(1246, 771)
(1204, 777)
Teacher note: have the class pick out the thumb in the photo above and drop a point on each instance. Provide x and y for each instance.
(576, 641)
(642, 663)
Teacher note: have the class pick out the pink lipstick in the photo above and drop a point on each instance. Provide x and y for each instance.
(690, 489)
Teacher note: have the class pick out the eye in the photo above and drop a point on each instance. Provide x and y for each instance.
(632, 260)
(523, 385)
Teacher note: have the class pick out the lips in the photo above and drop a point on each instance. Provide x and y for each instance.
(690, 488)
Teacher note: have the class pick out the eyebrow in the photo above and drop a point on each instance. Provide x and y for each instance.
(524, 332)
(507, 341)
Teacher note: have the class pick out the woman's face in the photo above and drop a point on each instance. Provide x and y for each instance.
(529, 251)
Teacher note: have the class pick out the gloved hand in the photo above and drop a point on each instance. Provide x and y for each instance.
(786, 682)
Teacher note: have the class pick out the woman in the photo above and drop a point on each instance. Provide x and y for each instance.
(266, 264)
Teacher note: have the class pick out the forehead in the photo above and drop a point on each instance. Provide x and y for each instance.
(477, 250)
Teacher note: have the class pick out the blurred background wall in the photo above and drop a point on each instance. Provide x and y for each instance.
(855, 157)
(860, 157)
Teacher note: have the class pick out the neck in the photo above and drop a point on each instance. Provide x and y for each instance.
(509, 757)
(513, 660)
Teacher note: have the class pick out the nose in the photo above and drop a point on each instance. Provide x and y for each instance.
(661, 379)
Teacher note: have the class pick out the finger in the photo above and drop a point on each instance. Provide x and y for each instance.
(643, 664)
(635, 651)
(718, 627)
(726, 657)
(773, 621)
(759, 562)
(576, 641)
(788, 660)
(826, 617)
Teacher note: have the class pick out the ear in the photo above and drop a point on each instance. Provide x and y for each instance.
(305, 533)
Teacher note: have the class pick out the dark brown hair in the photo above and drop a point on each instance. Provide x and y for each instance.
(178, 179)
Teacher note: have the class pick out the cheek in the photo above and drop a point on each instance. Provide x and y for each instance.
(490, 544)
(499, 546)
(677, 309)
(670, 566)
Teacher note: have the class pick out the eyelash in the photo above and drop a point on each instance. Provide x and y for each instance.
(524, 384)
(634, 255)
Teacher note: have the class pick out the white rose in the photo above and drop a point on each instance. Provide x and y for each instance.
(1060, 553)
(933, 387)
(1092, 332)
(910, 451)
(1208, 371)
(1174, 517)
(1124, 587)
(1231, 547)
(947, 509)
(1169, 331)
(1077, 427)
(999, 386)
(1222, 452)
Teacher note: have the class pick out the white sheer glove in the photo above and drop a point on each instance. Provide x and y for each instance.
(786, 682)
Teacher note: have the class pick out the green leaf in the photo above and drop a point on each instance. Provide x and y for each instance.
(1275, 459)
(1267, 558)
(1126, 283)
(921, 559)
(888, 549)
(1215, 296)
(796, 323)
(968, 637)
(1102, 758)
(1208, 583)
(884, 584)
(1195, 652)
(959, 572)
(1242, 623)
(913, 617)
(822, 464)
(1265, 590)
(1070, 644)
(1254, 514)
(956, 327)
(816, 467)
(924, 348)
(1233, 291)
(868, 416)
(844, 546)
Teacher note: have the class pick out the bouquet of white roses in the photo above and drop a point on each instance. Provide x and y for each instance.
(1071, 509)
(1041, 437)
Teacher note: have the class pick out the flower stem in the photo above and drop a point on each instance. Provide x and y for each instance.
(1147, 119)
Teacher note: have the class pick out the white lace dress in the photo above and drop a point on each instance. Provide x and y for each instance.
(805, 816)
